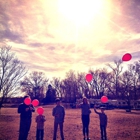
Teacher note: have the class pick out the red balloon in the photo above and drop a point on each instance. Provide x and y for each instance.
(126, 57)
(89, 77)
(35, 102)
(27, 101)
(104, 99)
(40, 110)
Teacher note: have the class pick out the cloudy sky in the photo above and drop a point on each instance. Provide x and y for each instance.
(55, 36)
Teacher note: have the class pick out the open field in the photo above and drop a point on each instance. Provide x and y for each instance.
(121, 125)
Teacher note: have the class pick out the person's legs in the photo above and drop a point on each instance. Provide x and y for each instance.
(61, 131)
(83, 122)
(37, 134)
(104, 131)
(87, 125)
(42, 134)
(84, 131)
(28, 125)
(22, 130)
(55, 130)
(101, 128)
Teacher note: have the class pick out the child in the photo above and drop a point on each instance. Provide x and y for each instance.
(103, 122)
(85, 115)
(59, 114)
(40, 119)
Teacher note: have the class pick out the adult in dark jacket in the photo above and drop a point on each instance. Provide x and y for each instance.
(25, 112)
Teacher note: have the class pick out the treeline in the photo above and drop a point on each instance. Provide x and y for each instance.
(114, 83)
(111, 81)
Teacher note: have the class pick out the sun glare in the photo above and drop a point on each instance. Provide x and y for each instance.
(80, 12)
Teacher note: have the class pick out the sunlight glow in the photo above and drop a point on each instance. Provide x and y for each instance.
(81, 12)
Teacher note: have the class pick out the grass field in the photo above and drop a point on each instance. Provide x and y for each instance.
(121, 125)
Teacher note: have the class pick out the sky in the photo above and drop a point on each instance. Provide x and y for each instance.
(55, 36)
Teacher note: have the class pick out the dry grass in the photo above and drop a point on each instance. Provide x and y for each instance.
(121, 125)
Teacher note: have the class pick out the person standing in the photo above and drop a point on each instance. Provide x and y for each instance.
(25, 112)
(103, 122)
(40, 119)
(59, 115)
(85, 116)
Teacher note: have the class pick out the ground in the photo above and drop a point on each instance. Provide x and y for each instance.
(121, 125)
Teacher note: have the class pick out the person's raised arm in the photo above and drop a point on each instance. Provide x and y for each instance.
(95, 110)
(78, 105)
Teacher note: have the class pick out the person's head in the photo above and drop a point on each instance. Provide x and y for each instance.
(27, 100)
(26, 96)
(102, 109)
(57, 101)
(40, 110)
(85, 101)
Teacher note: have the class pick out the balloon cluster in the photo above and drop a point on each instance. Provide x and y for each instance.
(28, 101)
(35, 103)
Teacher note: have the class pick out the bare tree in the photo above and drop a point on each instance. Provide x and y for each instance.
(113, 78)
(125, 84)
(126, 87)
(56, 84)
(99, 81)
(134, 69)
(11, 71)
(82, 85)
(35, 84)
(70, 86)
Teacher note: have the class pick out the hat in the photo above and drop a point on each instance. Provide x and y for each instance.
(26, 96)
(102, 107)
(57, 100)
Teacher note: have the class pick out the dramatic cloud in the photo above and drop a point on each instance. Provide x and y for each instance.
(47, 40)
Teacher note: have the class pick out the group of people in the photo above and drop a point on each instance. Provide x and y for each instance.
(59, 115)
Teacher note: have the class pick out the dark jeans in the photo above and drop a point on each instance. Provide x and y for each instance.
(24, 128)
(39, 134)
(85, 122)
(61, 130)
(103, 132)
